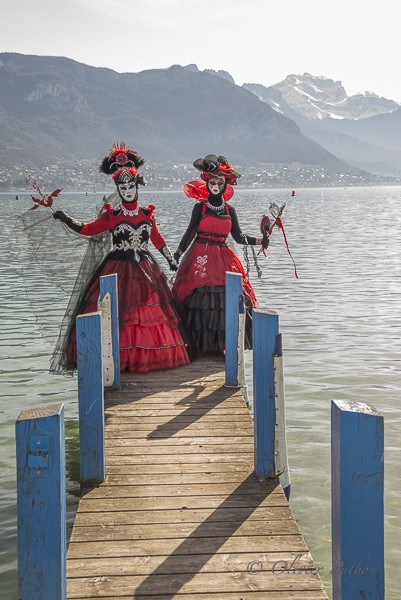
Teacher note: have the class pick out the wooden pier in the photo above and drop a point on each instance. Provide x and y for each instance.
(181, 513)
(186, 498)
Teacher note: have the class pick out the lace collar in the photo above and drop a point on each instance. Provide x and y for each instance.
(130, 213)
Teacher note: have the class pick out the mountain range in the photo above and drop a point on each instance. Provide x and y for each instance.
(364, 130)
(55, 109)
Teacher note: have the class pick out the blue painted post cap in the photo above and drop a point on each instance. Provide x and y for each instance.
(357, 485)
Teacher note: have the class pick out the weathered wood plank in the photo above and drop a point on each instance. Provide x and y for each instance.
(166, 433)
(209, 419)
(172, 479)
(120, 425)
(172, 464)
(202, 582)
(143, 491)
(270, 595)
(114, 532)
(127, 468)
(184, 546)
(184, 441)
(174, 411)
(162, 503)
(165, 449)
(131, 517)
(207, 404)
(281, 562)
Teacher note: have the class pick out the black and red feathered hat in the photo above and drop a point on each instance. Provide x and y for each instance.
(122, 164)
(212, 166)
(216, 166)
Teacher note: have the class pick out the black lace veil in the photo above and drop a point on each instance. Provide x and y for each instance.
(66, 262)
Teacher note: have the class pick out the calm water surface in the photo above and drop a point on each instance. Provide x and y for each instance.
(341, 329)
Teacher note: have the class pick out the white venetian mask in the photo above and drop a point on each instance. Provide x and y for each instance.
(216, 185)
(127, 191)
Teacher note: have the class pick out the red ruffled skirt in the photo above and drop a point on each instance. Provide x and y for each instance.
(151, 333)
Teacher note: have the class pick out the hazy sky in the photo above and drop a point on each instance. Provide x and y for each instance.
(257, 41)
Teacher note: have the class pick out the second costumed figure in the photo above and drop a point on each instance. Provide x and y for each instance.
(199, 287)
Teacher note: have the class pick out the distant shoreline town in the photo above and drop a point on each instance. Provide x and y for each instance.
(84, 176)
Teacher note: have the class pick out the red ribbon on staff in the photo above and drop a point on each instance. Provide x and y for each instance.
(280, 225)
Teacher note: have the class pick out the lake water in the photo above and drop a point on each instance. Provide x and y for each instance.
(341, 326)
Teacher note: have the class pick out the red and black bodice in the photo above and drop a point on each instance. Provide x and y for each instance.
(131, 230)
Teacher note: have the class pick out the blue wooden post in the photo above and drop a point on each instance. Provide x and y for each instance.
(90, 397)
(41, 503)
(233, 298)
(281, 455)
(357, 475)
(264, 332)
(108, 284)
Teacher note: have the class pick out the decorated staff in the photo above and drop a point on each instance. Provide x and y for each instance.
(45, 199)
(267, 226)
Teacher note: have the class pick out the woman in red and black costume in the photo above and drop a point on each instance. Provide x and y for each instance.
(199, 287)
(151, 333)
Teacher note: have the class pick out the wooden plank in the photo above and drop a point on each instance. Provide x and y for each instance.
(143, 491)
(220, 434)
(137, 418)
(191, 449)
(171, 427)
(206, 403)
(150, 531)
(184, 546)
(189, 422)
(181, 394)
(266, 595)
(228, 441)
(173, 479)
(202, 582)
(130, 517)
(162, 503)
(274, 595)
(221, 412)
(121, 468)
(280, 562)
(187, 461)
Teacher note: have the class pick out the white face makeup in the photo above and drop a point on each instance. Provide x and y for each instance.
(127, 191)
(216, 185)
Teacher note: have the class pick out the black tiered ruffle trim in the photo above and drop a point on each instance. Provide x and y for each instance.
(204, 316)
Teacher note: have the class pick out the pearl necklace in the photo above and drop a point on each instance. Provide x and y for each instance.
(215, 208)
(129, 213)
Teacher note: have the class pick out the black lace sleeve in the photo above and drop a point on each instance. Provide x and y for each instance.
(192, 228)
(236, 232)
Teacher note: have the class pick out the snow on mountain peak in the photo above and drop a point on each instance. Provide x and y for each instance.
(318, 97)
